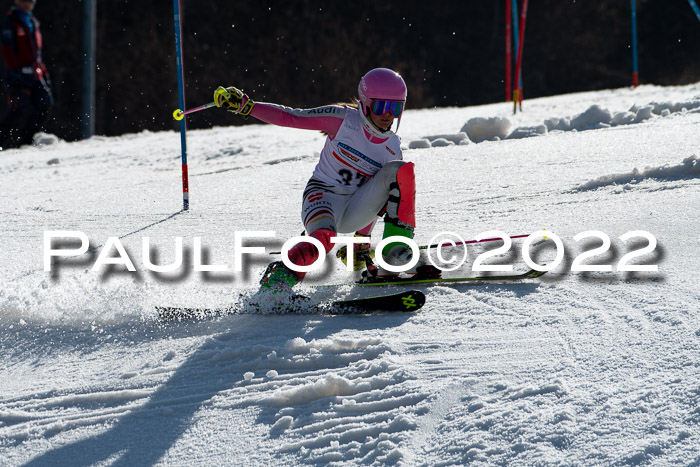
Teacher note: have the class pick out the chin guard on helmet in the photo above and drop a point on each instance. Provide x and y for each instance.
(371, 130)
(379, 84)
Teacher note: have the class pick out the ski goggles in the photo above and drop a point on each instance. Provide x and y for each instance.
(379, 108)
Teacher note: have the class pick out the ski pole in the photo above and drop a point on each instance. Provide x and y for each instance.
(468, 242)
(179, 114)
(435, 245)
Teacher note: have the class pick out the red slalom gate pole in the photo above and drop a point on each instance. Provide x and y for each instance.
(518, 94)
(509, 58)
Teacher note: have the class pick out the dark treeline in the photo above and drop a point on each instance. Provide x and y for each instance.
(306, 53)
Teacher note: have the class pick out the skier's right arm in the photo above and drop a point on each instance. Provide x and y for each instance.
(327, 119)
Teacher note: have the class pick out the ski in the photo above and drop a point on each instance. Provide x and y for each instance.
(406, 301)
(531, 274)
(409, 300)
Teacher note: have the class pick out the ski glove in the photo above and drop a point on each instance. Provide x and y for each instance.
(362, 250)
(234, 100)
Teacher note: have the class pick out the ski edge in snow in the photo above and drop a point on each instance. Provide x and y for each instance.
(405, 301)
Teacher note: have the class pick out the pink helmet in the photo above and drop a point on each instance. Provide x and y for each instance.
(380, 84)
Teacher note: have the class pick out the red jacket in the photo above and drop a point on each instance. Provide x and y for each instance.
(20, 48)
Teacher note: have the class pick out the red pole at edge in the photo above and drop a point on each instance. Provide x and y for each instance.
(509, 58)
(517, 98)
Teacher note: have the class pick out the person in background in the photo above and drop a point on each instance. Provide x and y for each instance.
(27, 81)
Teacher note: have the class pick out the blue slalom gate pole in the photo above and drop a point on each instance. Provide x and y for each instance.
(181, 102)
(695, 8)
(635, 63)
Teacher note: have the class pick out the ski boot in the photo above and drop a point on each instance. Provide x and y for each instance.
(402, 254)
(278, 278)
(275, 293)
(398, 256)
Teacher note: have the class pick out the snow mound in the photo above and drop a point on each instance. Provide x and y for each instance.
(422, 143)
(330, 385)
(689, 168)
(436, 141)
(480, 129)
(458, 138)
(527, 132)
(595, 117)
(556, 123)
(45, 139)
(441, 143)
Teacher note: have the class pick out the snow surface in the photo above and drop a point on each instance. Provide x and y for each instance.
(575, 368)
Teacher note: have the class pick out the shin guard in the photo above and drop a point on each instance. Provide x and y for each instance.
(401, 208)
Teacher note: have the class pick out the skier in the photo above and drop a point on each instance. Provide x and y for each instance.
(360, 174)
